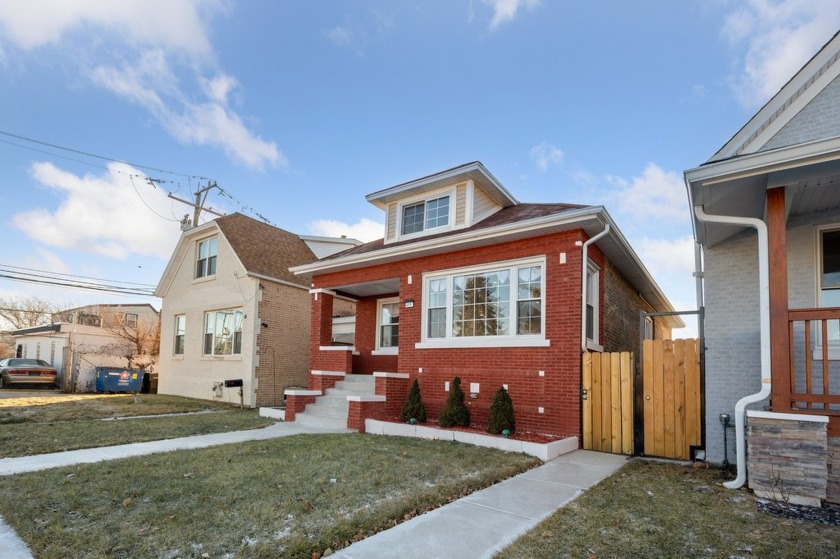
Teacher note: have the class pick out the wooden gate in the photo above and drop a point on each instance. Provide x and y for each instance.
(608, 402)
(671, 397)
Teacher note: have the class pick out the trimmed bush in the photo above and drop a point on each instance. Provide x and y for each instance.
(413, 406)
(501, 413)
(455, 412)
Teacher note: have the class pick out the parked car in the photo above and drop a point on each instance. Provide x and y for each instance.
(26, 371)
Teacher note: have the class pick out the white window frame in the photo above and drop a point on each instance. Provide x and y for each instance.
(205, 269)
(130, 320)
(176, 334)
(425, 198)
(205, 333)
(833, 344)
(593, 299)
(390, 350)
(511, 339)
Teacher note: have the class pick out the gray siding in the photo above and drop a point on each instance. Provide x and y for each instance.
(818, 120)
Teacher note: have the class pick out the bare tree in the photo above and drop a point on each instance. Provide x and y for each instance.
(25, 312)
(142, 337)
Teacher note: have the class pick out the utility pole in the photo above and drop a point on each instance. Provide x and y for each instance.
(200, 198)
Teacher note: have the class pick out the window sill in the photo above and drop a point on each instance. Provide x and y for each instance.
(592, 346)
(386, 351)
(221, 357)
(487, 341)
(204, 279)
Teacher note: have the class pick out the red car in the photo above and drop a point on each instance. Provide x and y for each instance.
(26, 371)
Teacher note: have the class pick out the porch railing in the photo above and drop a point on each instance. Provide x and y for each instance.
(814, 336)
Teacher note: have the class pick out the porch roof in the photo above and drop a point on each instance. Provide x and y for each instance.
(532, 220)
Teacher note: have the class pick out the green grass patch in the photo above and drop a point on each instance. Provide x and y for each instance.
(77, 407)
(285, 497)
(27, 438)
(657, 510)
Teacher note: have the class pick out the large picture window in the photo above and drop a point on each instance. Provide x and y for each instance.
(223, 332)
(206, 258)
(493, 302)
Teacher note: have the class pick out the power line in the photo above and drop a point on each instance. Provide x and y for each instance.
(90, 287)
(70, 275)
(96, 156)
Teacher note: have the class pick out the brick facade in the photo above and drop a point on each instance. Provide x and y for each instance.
(282, 356)
(544, 382)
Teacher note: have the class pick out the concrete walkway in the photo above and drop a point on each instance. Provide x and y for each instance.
(487, 521)
(476, 526)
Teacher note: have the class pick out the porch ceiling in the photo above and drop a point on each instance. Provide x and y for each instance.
(811, 187)
(369, 289)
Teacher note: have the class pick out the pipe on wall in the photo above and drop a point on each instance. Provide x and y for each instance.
(764, 323)
(585, 266)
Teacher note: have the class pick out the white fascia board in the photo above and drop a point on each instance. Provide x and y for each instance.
(810, 153)
(338, 264)
(381, 198)
(276, 280)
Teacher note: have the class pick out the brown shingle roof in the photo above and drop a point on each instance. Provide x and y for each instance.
(505, 216)
(265, 249)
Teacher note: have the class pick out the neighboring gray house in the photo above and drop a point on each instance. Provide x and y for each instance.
(767, 218)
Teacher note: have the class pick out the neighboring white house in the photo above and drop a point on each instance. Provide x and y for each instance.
(79, 340)
(232, 311)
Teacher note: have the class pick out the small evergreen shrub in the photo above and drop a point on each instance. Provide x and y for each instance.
(501, 413)
(455, 412)
(413, 406)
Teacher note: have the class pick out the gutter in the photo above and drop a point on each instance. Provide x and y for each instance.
(764, 321)
(584, 267)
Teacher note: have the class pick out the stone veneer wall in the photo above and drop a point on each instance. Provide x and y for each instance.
(832, 491)
(787, 456)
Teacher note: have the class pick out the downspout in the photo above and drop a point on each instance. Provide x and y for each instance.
(764, 322)
(585, 260)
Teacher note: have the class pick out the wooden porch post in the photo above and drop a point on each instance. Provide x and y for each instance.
(779, 332)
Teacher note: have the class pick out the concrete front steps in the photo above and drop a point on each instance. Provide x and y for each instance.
(330, 410)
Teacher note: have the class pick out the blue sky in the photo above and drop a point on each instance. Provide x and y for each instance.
(298, 110)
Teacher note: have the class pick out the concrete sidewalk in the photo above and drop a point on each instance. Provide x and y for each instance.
(476, 526)
(485, 522)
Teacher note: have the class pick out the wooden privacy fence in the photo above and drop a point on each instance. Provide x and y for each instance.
(671, 397)
(608, 402)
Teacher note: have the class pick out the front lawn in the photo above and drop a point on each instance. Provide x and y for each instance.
(41, 425)
(288, 497)
(657, 510)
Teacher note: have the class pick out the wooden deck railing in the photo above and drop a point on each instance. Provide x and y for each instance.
(814, 360)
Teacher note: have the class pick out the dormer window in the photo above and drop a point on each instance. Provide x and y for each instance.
(206, 258)
(427, 214)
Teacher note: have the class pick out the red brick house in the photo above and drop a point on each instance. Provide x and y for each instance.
(469, 282)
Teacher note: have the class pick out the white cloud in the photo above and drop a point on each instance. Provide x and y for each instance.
(131, 53)
(778, 38)
(364, 230)
(151, 84)
(175, 24)
(655, 196)
(545, 154)
(667, 257)
(506, 10)
(112, 215)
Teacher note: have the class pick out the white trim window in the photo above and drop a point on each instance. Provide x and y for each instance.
(205, 264)
(829, 280)
(180, 334)
(223, 332)
(428, 214)
(130, 320)
(593, 281)
(500, 304)
(388, 326)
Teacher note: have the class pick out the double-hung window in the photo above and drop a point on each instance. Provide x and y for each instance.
(499, 304)
(388, 326)
(425, 215)
(592, 307)
(223, 332)
(205, 264)
(180, 334)
(829, 279)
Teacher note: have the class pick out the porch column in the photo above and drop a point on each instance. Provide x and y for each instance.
(779, 331)
(322, 311)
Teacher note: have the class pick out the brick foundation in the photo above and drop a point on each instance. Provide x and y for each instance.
(787, 456)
